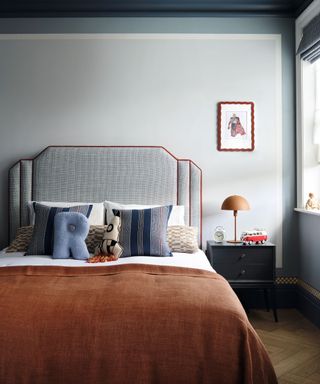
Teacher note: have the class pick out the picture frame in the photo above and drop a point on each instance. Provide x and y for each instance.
(235, 126)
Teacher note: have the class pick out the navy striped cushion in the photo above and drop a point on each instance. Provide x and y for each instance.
(42, 237)
(144, 231)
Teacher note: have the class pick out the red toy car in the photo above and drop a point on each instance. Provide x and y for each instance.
(254, 237)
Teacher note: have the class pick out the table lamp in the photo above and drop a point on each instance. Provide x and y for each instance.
(235, 203)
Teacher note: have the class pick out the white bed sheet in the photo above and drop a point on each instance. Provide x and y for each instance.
(196, 260)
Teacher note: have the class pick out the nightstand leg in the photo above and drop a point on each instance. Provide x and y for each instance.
(242, 300)
(274, 304)
(266, 299)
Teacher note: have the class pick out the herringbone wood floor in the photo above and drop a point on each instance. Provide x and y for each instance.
(293, 345)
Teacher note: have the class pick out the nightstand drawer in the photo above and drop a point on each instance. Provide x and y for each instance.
(245, 271)
(246, 255)
(243, 262)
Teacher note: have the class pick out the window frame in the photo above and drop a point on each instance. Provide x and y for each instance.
(304, 72)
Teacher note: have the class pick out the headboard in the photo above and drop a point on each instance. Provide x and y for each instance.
(125, 174)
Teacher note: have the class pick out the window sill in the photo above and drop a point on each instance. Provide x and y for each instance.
(302, 210)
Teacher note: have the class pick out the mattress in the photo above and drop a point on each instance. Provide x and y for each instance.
(196, 260)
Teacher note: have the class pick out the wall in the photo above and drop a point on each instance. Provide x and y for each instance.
(157, 93)
(309, 247)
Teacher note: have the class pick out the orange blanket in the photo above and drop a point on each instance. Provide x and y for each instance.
(125, 324)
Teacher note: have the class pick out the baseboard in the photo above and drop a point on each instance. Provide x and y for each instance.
(308, 305)
(291, 292)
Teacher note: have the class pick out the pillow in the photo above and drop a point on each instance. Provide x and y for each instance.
(24, 236)
(183, 239)
(97, 216)
(95, 236)
(109, 248)
(22, 240)
(70, 232)
(144, 231)
(176, 217)
(42, 237)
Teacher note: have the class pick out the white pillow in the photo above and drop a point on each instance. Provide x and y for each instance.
(96, 217)
(176, 215)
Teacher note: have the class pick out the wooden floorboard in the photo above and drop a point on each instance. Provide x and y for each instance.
(293, 345)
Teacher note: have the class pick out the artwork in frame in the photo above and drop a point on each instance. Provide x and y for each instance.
(236, 126)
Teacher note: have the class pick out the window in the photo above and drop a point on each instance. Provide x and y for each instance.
(309, 140)
(308, 106)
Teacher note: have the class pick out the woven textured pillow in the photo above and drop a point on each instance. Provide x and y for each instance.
(24, 236)
(42, 237)
(182, 239)
(22, 240)
(144, 231)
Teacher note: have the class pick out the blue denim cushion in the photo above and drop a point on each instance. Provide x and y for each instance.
(70, 232)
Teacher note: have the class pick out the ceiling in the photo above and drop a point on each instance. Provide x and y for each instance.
(99, 8)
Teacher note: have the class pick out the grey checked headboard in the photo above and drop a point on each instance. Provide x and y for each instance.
(141, 175)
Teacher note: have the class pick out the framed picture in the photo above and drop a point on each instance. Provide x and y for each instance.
(235, 126)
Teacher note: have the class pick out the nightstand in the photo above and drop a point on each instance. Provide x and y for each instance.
(246, 266)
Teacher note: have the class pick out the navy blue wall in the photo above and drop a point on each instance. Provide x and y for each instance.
(309, 248)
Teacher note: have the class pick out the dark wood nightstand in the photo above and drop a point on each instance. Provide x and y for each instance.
(246, 266)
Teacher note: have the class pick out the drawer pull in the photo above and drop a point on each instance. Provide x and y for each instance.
(243, 272)
(243, 255)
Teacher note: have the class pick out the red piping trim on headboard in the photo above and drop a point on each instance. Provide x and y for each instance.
(32, 178)
(190, 192)
(9, 205)
(20, 197)
(178, 182)
(106, 146)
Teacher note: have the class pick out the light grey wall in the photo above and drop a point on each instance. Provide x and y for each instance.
(25, 135)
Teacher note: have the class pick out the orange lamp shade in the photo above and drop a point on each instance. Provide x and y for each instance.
(235, 203)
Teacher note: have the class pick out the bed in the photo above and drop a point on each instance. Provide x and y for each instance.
(139, 319)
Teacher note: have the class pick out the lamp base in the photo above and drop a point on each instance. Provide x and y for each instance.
(234, 241)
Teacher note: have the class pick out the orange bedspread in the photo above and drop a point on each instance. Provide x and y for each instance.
(125, 324)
